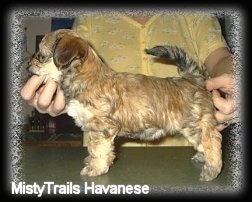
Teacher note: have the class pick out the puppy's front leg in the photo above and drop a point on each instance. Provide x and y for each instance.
(101, 154)
(100, 147)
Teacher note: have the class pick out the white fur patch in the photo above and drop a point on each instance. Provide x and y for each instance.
(79, 112)
(49, 69)
(200, 148)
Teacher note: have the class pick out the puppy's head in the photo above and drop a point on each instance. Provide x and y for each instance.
(59, 52)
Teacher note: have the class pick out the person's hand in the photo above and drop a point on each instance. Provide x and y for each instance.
(46, 98)
(223, 88)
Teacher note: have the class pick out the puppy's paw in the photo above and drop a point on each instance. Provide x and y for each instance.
(90, 171)
(87, 160)
(95, 167)
(209, 173)
(198, 157)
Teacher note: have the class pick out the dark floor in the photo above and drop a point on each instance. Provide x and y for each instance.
(165, 170)
(168, 171)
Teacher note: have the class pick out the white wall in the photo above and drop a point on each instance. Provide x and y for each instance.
(36, 26)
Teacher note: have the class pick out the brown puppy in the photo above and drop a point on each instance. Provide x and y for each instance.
(106, 104)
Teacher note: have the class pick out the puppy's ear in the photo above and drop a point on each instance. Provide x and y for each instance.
(68, 49)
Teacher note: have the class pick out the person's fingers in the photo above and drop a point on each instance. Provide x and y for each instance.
(59, 101)
(34, 100)
(225, 105)
(222, 118)
(29, 89)
(221, 127)
(42, 96)
(46, 96)
(222, 88)
(223, 83)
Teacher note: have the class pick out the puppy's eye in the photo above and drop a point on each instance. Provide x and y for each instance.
(41, 58)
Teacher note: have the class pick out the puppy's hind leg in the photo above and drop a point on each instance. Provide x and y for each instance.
(101, 154)
(211, 143)
(207, 141)
(210, 138)
(200, 130)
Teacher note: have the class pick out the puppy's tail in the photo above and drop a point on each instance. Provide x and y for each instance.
(179, 57)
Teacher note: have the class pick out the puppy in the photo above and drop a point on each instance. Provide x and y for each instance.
(107, 104)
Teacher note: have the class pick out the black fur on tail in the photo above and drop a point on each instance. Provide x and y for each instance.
(179, 57)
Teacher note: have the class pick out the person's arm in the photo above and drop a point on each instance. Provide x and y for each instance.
(213, 52)
(219, 64)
